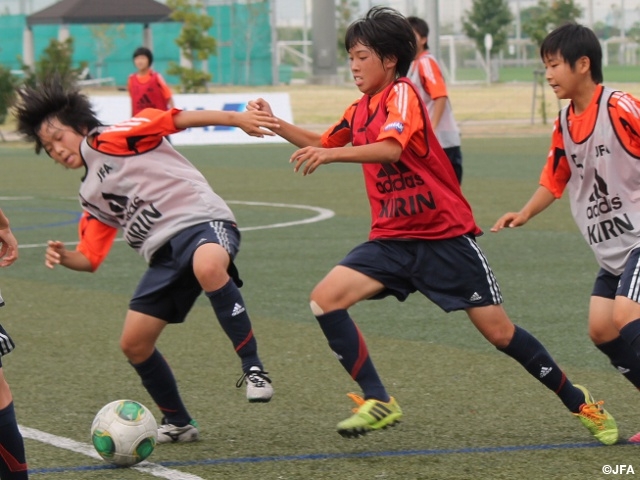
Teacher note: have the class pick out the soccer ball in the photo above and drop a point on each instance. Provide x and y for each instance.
(124, 432)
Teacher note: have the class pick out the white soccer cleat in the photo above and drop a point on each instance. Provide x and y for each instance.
(168, 433)
(259, 389)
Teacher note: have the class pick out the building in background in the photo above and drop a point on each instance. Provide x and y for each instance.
(292, 12)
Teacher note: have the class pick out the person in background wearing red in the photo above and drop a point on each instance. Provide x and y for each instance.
(146, 87)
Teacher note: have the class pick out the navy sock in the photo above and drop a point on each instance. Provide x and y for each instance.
(623, 358)
(531, 354)
(13, 464)
(631, 334)
(347, 343)
(158, 379)
(232, 314)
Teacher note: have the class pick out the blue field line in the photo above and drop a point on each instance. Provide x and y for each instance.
(74, 214)
(337, 456)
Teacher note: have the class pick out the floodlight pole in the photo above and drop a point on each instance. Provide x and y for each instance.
(275, 73)
(433, 20)
(488, 43)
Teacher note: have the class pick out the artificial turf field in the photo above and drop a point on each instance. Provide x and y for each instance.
(470, 411)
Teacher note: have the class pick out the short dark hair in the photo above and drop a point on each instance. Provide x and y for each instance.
(419, 25)
(386, 32)
(574, 41)
(143, 51)
(51, 100)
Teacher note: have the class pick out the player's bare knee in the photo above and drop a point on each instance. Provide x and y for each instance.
(315, 308)
(499, 337)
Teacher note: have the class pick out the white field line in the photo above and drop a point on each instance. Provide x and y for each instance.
(88, 450)
(148, 467)
(322, 214)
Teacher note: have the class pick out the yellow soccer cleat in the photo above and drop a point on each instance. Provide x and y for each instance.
(597, 420)
(369, 415)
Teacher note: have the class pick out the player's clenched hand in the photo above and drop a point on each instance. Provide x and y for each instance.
(55, 252)
(510, 219)
(310, 158)
(8, 247)
(260, 104)
(254, 122)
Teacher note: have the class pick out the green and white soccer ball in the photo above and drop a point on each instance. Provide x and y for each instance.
(124, 432)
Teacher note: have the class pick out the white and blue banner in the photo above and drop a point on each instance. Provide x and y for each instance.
(112, 109)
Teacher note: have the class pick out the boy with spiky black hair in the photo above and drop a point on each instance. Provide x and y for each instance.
(422, 233)
(594, 155)
(135, 181)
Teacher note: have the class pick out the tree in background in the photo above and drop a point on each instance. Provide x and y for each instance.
(248, 22)
(546, 16)
(8, 85)
(345, 14)
(634, 32)
(488, 16)
(104, 42)
(195, 43)
(542, 19)
(604, 31)
(56, 60)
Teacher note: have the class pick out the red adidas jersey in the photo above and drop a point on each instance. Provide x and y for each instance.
(418, 196)
(148, 91)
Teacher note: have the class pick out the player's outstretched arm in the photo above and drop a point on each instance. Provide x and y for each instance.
(539, 201)
(253, 123)
(57, 254)
(291, 133)
(310, 158)
(8, 243)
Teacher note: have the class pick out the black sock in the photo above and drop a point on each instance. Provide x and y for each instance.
(623, 358)
(159, 381)
(13, 464)
(347, 343)
(229, 307)
(532, 355)
(631, 334)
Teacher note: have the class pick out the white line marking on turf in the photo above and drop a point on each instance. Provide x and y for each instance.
(88, 450)
(16, 198)
(322, 214)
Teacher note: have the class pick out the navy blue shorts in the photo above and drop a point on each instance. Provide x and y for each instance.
(453, 273)
(169, 288)
(608, 285)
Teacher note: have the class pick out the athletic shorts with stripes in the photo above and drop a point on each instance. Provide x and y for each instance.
(608, 285)
(452, 273)
(169, 288)
(6, 344)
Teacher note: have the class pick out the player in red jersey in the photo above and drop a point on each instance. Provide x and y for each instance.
(422, 232)
(13, 464)
(147, 87)
(135, 181)
(594, 155)
(426, 75)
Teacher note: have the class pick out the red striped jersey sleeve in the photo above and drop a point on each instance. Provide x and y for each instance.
(624, 110)
(96, 239)
(556, 171)
(138, 134)
(339, 134)
(431, 77)
(405, 122)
